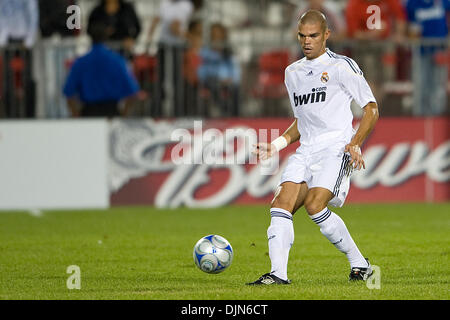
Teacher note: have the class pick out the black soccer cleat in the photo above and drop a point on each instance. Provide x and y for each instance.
(268, 279)
(361, 274)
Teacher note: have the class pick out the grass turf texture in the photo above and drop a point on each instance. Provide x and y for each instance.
(146, 253)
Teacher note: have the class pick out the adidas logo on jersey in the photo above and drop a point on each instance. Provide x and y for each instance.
(317, 95)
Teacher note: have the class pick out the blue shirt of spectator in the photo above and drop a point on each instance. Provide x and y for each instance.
(215, 65)
(429, 16)
(101, 75)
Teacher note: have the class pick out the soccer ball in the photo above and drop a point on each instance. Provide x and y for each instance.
(213, 254)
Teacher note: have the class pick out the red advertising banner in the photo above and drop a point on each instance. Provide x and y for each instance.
(209, 163)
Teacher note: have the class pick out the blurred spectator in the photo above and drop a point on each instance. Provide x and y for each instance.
(19, 20)
(174, 16)
(335, 18)
(192, 58)
(192, 61)
(427, 22)
(198, 12)
(119, 17)
(219, 71)
(54, 56)
(392, 16)
(372, 45)
(100, 79)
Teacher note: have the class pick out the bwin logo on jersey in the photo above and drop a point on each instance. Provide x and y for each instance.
(317, 95)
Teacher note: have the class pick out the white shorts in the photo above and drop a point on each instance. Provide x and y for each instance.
(328, 168)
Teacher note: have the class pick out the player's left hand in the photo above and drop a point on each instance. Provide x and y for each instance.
(357, 161)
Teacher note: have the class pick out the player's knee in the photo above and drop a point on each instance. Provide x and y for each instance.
(283, 203)
(313, 205)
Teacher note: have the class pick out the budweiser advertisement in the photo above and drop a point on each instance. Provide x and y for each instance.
(209, 163)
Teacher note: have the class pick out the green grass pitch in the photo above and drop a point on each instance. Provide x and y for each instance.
(146, 253)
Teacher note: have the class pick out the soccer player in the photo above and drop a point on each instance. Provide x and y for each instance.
(321, 87)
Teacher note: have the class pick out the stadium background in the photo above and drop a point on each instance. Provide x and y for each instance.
(407, 155)
(52, 161)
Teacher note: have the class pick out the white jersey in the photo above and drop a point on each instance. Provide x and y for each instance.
(321, 91)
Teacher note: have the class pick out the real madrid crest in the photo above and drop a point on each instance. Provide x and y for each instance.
(325, 77)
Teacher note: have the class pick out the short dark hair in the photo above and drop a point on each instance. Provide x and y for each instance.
(314, 16)
(97, 31)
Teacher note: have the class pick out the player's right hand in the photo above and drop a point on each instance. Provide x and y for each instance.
(357, 161)
(263, 150)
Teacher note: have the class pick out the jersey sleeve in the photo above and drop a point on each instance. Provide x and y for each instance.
(352, 80)
(288, 84)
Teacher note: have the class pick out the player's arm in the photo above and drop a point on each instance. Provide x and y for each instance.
(291, 134)
(266, 150)
(366, 126)
(351, 78)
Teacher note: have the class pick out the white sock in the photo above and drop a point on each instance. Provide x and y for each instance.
(334, 229)
(281, 237)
